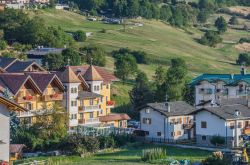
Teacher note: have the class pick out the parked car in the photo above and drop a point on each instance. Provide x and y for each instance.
(133, 124)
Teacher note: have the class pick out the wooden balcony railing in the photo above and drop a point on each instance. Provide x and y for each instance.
(89, 121)
(90, 108)
(23, 99)
(53, 97)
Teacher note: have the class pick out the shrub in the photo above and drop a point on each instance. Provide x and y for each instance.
(106, 142)
(80, 36)
(153, 154)
(91, 144)
(242, 40)
(216, 159)
(217, 140)
(243, 58)
(211, 38)
(233, 20)
(3, 45)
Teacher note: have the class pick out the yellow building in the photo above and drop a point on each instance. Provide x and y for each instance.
(37, 92)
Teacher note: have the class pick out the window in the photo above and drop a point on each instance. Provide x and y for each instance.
(94, 88)
(146, 121)
(158, 133)
(203, 138)
(101, 99)
(120, 124)
(29, 106)
(203, 124)
(74, 90)
(101, 86)
(81, 116)
(73, 116)
(173, 134)
(107, 86)
(231, 125)
(73, 103)
(240, 125)
(97, 88)
(91, 115)
(147, 110)
(91, 102)
(97, 113)
(81, 103)
(101, 111)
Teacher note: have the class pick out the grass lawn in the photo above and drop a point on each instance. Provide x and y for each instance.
(161, 41)
(125, 156)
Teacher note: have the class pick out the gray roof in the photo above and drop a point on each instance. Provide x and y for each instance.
(177, 108)
(45, 51)
(4, 62)
(85, 94)
(19, 66)
(234, 101)
(227, 112)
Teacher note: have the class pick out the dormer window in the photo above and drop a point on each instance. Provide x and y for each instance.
(147, 110)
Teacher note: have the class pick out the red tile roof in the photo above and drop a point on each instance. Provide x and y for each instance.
(104, 73)
(91, 74)
(114, 117)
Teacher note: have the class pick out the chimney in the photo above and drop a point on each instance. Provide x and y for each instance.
(243, 70)
(236, 113)
(168, 106)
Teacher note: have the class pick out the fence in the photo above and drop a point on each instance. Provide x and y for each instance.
(102, 131)
(171, 141)
(34, 162)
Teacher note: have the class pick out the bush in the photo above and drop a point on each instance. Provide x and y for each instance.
(216, 159)
(106, 142)
(121, 140)
(233, 20)
(153, 154)
(91, 144)
(3, 45)
(215, 140)
(211, 38)
(242, 40)
(80, 36)
(243, 58)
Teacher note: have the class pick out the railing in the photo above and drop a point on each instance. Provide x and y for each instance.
(34, 113)
(53, 97)
(91, 121)
(23, 99)
(81, 121)
(89, 108)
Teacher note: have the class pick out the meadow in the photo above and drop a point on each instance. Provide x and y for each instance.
(129, 155)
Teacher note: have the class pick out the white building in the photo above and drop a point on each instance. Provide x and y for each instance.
(229, 121)
(210, 89)
(6, 106)
(169, 120)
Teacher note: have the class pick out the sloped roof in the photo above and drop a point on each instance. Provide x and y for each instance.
(104, 73)
(16, 148)
(227, 112)
(5, 62)
(21, 66)
(68, 76)
(14, 81)
(91, 74)
(12, 106)
(229, 79)
(177, 108)
(44, 79)
(114, 117)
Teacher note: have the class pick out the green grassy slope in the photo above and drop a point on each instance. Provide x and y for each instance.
(162, 42)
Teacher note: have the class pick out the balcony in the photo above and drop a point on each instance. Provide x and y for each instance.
(53, 97)
(31, 113)
(89, 121)
(90, 108)
(24, 99)
(110, 104)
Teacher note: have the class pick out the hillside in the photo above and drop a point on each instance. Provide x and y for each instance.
(161, 41)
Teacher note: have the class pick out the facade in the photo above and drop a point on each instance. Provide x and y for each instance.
(87, 97)
(6, 106)
(211, 88)
(168, 121)
(228, 121)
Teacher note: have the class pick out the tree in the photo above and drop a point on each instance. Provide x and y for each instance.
(71, 57)
(53, 61)
(175, 79)
(233, 20)
(141, 93)
(159, 81)
(80, 36)
(211, 38)
(165, 13)
(125, 66)
(221, 24)
(3, 45)
(95, 54)
(243, 58)
(202, 16)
